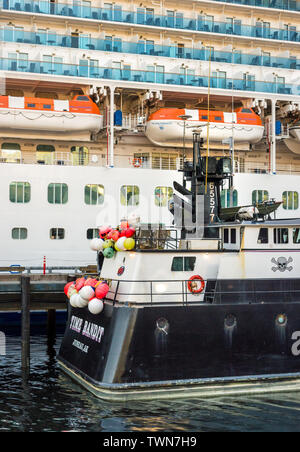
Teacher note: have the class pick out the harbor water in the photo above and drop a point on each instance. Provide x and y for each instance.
(50, 401)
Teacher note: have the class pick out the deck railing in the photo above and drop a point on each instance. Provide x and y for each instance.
(148, 77)
(143, 17)
(143, 48)
(149, 163)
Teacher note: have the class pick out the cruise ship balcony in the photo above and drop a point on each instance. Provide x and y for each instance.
(287, 5)
(141, 17)
(133, 77)
(117, 45)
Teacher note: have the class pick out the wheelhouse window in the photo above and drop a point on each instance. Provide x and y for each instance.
(11, 152)
(94, 194)
(229, 235)
(290, 200)
(229, 198)
(45, 154)
(19, 192)
(130, 195)
(281, 235)
(19, 233)
(57, 233)
(296, 236)
(260, 196)
(92, 234)
(162, 196)
(263, 236)
(80, 155)
(186, 264)
(57, 193)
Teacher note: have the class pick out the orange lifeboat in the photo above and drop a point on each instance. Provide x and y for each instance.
(166, 128)
(60, 116)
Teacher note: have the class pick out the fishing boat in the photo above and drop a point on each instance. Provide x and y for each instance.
(203, 308)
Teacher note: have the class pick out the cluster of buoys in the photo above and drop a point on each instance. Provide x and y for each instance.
(87, 292)
(111, 240)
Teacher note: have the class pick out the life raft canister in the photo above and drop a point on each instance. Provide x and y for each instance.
(191, 284)
(137, 162)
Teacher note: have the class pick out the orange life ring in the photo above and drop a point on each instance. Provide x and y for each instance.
(137, 162)
(191, 283)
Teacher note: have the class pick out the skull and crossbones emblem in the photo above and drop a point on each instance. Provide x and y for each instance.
(282, 264)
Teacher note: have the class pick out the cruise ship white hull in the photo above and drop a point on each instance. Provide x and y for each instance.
(38, 216)
(171, 133)
(52, 121)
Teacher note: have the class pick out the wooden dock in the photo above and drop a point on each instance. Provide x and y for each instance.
(46, 292)
(28, 293)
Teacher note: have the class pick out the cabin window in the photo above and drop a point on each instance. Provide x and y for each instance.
(260, 196)
(229, 235)
(204, 117)
(263, 236)
(45, 154)
(296, 236)
(92, 234)
(19, 192)
(80, 155)
(47, 106)
(246, 110)
(290, 200)
(281, 235)
(181, 264)
(57, 193)
(233, 236)
(229, 198)
(94, 194)
(11, 152)
(226, 235)
(162, 196)
(218, 118)
(19, 234)
(130, 195)
(83, 98)
(57, 233)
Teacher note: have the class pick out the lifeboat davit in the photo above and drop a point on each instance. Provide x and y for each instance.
(60, 116)
(166, 128)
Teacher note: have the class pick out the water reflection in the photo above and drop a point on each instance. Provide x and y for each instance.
(50, 401)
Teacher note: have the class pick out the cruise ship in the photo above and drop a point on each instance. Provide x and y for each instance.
(99, 101)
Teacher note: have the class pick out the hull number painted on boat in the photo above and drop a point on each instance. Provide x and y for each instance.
(212, 202)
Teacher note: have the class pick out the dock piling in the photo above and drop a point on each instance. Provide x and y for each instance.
(25, 323)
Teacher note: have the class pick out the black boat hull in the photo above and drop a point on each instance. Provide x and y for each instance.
(172, 351)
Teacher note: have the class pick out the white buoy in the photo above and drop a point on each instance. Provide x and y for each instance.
(120, 244)
(73, 300)
(81, 302)
(95, 306)
(97, 244)
(87, 292)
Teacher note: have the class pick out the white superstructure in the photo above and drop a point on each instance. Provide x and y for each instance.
(59, 183)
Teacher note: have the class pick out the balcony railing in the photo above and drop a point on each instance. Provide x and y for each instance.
(151, 162)
(288, 5)
(133, 75)
(145, 18)
(143, 48)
